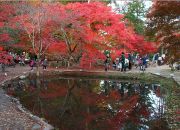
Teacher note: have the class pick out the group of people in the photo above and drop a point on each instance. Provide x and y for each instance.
(122, 63)
(10, 58)
(21, 59)
(34, 63)
(158, 59)
(125, 62)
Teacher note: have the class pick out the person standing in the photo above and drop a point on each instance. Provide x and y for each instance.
(126, 64)
(140, 63)
(44, 64)
(119, 65)
(130, 61)
(136, 60)
(144, 63)
(159, 60)
(31, 64)
(106, 64)
(123, 62)
(114, 66)
(156, 58)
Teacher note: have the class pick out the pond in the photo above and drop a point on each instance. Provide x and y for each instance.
(93, 104)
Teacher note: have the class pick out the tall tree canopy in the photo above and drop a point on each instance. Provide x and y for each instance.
(134, 11)
(6, 11)
(164, 25)
(78, 31)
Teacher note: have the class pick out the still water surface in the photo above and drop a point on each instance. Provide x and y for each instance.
(93, 104)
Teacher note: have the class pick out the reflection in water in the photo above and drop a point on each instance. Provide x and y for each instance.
(83, 104)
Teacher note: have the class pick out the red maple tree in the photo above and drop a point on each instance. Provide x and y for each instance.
(79, 36)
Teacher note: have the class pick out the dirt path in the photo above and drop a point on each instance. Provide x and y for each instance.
(165, 71)
(11, 118)
(12, 72)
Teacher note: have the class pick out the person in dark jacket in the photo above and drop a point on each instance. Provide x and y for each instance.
(123, 62)
(144, 63)
(130, 61)
(114, 65)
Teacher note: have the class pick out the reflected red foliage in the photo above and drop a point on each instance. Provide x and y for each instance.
(53, 92)
(125, 110)
(114, 94)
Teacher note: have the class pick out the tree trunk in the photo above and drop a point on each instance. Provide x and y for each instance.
(37, 71)
(68, 64)
(38, 66)
(70, 60)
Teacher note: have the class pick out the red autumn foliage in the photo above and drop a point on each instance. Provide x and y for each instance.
(6, 11)
(1, 24)
(5, 37)
(163, 26)
(58, 48)
(5, 58)
(1, 48)
(66, 30)
(98, 28)
(90, 56)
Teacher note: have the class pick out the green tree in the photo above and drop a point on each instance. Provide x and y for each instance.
(135, 12)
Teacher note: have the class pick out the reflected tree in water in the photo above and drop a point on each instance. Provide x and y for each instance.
(89, 104)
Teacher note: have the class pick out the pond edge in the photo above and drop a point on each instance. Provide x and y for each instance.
(91, 74)
(44, 125)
